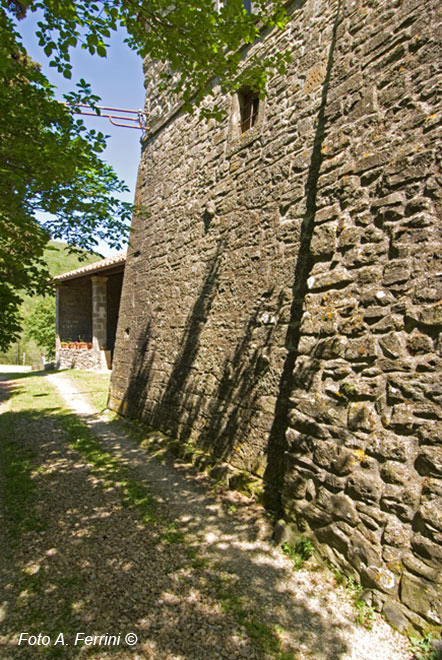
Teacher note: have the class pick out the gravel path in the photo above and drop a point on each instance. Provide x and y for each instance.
(114, 575)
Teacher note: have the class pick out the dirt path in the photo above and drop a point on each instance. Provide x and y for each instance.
(211, 589)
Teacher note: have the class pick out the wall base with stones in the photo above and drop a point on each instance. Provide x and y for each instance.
(76, 358)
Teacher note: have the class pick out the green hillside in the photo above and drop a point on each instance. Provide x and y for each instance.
(38, 312)
(60, 260)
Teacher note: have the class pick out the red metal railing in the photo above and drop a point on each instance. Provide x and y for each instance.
(138, 122)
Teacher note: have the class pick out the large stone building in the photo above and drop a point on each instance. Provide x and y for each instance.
(282, 300)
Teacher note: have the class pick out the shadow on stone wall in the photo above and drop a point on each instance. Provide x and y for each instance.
(230, 407)
(174, 405)
(230, 412)
(233, 407)
(303, 371)
(138, 398)
(140, 375)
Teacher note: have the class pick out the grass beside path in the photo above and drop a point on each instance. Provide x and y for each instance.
(91, 385)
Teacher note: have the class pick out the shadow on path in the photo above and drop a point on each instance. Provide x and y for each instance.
(93, 566)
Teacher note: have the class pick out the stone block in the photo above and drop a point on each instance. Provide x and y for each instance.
(396, 533)
(395, 447)
(304, 425)
(323, 410)
(363, 255)
(395, 615)
(372, 517)
(349, 236)
(393, 558)
(396, 271)
(428, 570)
(429, 461)
(364, 550)
(353, 326)
(403, 501)
(364, 485)
(431, 486)
(315, 515)
(343, 463)
(327, 349)
(430, 315)
(297, 486)
(426, 547)
(306, 345)
(340, 506)
(429, 433)
(336, 535)
(333, 483)
(333, 279)
(392, 345)
(431, 512)
(362, 417)
(334, 457)
(324, 240)
(380, 578)
(327, 213)
(325, 453)
(398, 473)
(402, 417)
(422, 596)
(316, 321)
(360, 349)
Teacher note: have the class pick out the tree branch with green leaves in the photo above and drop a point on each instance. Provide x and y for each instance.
(50, 163)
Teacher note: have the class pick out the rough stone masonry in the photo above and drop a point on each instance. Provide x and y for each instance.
(282, 301)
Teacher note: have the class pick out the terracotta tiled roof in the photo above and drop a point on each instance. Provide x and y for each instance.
(104, 264)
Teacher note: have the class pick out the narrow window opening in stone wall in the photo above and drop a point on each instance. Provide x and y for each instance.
(249, 107)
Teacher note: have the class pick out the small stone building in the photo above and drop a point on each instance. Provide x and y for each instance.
(282, 299)
(88, 302)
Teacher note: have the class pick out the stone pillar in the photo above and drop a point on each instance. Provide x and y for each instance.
(99, 313)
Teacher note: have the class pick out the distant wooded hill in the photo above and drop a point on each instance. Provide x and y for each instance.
(60, 260)
(38, 312)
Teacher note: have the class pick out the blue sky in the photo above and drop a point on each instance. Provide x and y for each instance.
(118, 80)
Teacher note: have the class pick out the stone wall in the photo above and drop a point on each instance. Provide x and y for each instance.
(282, 306)
(75, 310)
(83, 358)
(77, 358)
